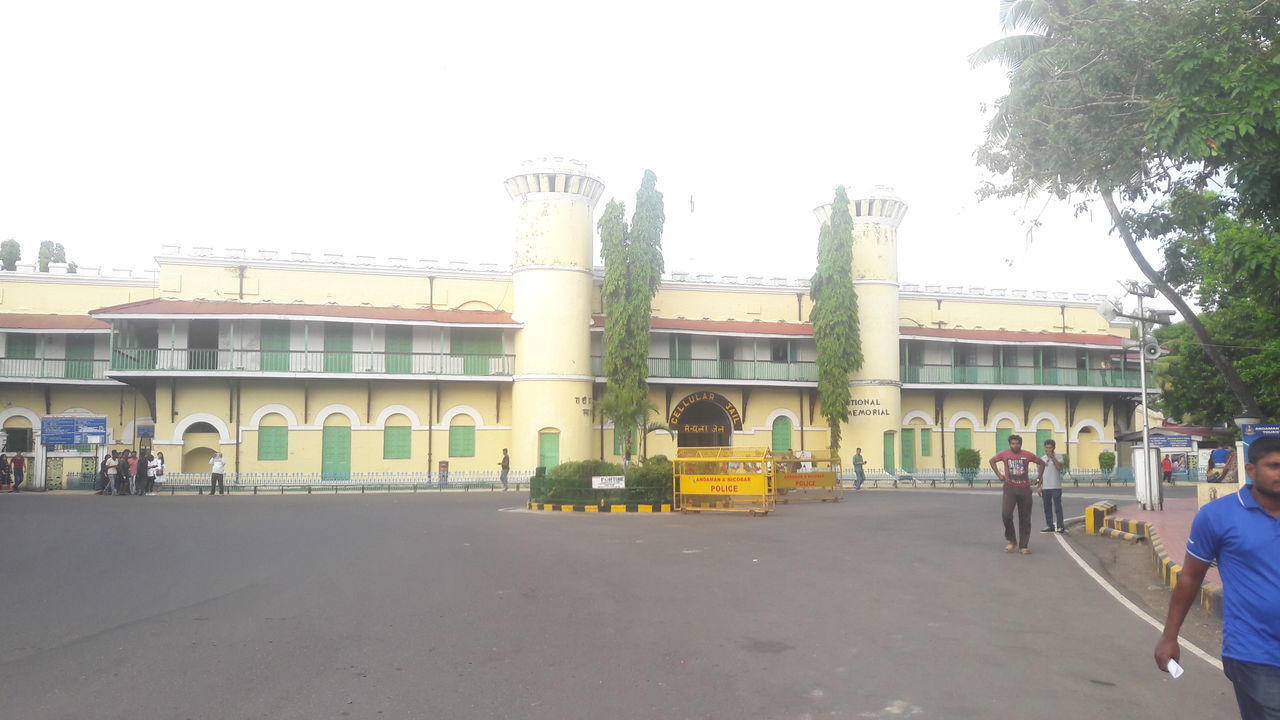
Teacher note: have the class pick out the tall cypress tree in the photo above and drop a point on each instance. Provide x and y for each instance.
(835, 316)
(632, 271)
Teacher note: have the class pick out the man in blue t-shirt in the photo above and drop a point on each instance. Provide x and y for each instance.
(1242, 533)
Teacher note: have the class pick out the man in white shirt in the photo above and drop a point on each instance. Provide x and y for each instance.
(219, 465)
(1051, 488)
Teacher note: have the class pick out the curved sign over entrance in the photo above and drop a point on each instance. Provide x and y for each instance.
(677, 419)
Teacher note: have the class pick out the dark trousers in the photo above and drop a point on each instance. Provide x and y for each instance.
(149, 485)
(1053, 506)
(17, 479)
(1257, 688)
(1021, 497)
(215, 481)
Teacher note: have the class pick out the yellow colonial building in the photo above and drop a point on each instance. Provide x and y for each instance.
(305, 363)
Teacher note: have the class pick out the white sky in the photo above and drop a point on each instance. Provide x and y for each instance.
(387, 128)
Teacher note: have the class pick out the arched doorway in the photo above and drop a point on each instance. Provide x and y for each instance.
(199, 441)
(705, 419)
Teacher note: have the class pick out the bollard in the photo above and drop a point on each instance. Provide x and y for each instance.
(308, 489)
(255, 489)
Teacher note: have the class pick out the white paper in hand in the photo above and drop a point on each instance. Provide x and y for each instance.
(1175, 670)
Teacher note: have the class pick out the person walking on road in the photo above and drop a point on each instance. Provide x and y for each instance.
(1051, 488)
(1166, 468)
(1017, 492)
(859, 475)
(1238, 531)
(505, 464)
(130, 467)
(218, 466)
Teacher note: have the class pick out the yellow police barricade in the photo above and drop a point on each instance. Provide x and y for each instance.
(723, 479)
(807, 475)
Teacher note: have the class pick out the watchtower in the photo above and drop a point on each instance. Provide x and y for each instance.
(875, 411)
(552, 286)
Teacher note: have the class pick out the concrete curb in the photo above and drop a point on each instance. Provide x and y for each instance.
(557, 507)
(1099, 520)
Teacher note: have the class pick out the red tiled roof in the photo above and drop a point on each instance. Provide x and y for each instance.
(25, 321)
(361, 312)
(1012, 336)
(745, 327)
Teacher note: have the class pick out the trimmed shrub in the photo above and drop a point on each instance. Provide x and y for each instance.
(1106, 461)
(968, 461)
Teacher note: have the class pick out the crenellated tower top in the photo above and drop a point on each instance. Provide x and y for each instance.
(879, 206)
(556, 175)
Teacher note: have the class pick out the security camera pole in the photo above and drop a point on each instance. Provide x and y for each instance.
(1141, 291)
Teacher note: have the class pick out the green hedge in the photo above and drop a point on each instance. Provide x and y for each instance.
(570, 483)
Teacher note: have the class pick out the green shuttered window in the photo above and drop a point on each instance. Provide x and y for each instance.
(462, 441)
(396, 442)
(19, 346)
(926, 442)
(273, 443)
(1041, 436)
(1002, 439)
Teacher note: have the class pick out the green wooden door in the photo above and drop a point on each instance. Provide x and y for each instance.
(681, 352)
(275, 345)
(399, 349)
(335, 453)
(476, 346)
(79, 363)
(908, 449)
(888, 452)
(337, 347)
(549, 449)
(782, 434)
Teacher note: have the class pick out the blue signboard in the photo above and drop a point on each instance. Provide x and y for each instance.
(1249, 433)
(73, 430)
(1181, 442)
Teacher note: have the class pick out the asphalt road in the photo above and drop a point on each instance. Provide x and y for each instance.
(890, 604)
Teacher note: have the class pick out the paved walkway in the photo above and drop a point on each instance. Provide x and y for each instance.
(1174, 526)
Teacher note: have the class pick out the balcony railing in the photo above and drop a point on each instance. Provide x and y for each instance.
(724, 369)
(309, 361)
(954, 374)
(51, 368)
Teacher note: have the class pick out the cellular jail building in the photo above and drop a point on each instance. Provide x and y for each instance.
(306, 363)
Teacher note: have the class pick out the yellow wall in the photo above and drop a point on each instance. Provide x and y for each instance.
(341, 286)
(42, 293)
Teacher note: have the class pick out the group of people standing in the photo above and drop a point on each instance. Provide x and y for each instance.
(12, 472)
(125, 472)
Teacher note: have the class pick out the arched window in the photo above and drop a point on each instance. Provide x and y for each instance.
(462, 436)
(397, 438)
(781, 433)
(1003, 430)
(273, 437)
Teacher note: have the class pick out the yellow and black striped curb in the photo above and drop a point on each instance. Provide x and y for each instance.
(1120, 534)
(1095, 516)
(558, 507)
(1098, 521)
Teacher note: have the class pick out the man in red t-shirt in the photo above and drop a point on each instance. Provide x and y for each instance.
(19, 465)
(1017, 491)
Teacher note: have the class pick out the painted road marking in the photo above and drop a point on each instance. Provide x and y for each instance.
(1129, 604)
